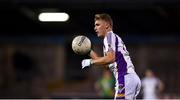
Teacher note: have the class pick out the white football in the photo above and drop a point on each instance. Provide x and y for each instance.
(81, 45)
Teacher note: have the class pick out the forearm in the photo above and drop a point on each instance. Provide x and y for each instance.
(108, 59)
(102, 61)
(95, 60)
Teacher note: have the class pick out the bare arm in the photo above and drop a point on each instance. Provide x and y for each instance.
(161, 86)
(109, 58)
(96, 60)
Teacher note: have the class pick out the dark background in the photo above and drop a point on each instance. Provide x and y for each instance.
(36, 59)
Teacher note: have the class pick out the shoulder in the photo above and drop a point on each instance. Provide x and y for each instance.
(117, 36)
(157, 80)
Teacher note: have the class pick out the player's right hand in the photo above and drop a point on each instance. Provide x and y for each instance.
(86, 62)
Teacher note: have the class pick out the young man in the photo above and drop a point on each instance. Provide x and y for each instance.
(116, 57)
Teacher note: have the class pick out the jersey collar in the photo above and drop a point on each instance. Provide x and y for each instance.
(109, 32)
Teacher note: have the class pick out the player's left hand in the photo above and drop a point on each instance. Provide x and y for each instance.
(86, 62)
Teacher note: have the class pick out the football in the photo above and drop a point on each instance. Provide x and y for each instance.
(81, 45)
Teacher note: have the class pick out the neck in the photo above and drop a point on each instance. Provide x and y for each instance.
(108, 30)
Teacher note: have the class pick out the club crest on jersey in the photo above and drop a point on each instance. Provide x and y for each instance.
(109, 47)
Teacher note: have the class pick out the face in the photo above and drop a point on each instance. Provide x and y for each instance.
(107, 74)
(100, 28)
(149, 73)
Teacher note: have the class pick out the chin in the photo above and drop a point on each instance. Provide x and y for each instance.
(101, 36)
(98, 35)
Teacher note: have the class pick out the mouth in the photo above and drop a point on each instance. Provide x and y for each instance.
(97, 32)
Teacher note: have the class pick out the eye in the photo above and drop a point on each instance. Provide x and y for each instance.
(97, 24)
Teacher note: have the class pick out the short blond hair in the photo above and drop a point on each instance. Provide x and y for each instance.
(106, 17)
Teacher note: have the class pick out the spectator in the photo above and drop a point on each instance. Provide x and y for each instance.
(151, 85)
(105, 85)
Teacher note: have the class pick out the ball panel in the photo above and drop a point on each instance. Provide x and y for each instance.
(81, 45)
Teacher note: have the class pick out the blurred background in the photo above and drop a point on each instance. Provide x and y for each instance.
(37, 61)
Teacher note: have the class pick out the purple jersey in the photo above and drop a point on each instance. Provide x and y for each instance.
(123, 63)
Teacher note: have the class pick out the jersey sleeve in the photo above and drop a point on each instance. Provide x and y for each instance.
(110, 39)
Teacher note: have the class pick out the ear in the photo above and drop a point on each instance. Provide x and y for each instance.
(107, 25)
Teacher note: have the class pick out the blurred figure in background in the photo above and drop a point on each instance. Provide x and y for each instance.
(105, 85)
(151, 85)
